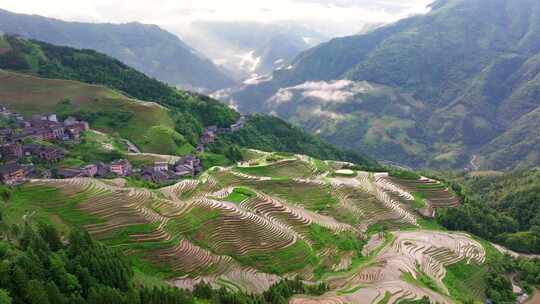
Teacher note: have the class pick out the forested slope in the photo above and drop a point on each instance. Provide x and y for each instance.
(504, 208)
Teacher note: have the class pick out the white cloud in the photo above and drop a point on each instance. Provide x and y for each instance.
(282, 96)
(334, 96)
(171, 14)
(318, 112)
(328, 92)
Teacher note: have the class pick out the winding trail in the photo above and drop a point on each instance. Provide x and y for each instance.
(514, 254)
(474, 166)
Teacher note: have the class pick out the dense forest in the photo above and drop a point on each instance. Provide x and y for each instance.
(525, 272)
(504, 208)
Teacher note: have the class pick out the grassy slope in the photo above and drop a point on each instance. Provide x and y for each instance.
(33, 95)
(466, 281)
(4, 45)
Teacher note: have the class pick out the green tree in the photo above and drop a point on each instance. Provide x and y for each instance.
(4, 297)
(50, 235)
(36, 293)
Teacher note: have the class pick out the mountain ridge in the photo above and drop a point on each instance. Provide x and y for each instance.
(145, 47)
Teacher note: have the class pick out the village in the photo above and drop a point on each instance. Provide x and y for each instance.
(35, 139)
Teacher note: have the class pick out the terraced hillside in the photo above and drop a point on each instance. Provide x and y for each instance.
(274, 216)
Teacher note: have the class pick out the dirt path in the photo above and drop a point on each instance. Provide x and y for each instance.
(474, 166)
(131, 147)
(535, 298)
(514, 254)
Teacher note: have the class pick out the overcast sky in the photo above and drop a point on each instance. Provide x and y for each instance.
(172, 13)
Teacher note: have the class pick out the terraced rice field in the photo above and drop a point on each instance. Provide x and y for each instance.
(243, 229)
(287, 168)
(434, 193)
(412, 253)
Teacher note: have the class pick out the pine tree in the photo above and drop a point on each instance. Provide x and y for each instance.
(36, 293)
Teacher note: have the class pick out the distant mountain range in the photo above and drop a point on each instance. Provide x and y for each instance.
(248, 49)
(457, 87)
(148, 48)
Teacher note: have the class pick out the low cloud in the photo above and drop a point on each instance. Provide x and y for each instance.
(318, 112)
(328, 92)
(282, 96)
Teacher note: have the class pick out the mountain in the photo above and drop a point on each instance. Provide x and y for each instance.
(185, 113)
(148, 48)
(248, 49)
(254, 227)
(456, 85)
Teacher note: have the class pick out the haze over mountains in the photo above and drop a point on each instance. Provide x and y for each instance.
(148, 48)
(248, 49)
(459, 84)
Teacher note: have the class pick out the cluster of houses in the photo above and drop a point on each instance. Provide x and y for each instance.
(158, 172)
(15, 146)
(20, 141)
(120, 167)
(162, 172)
(210, 133)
